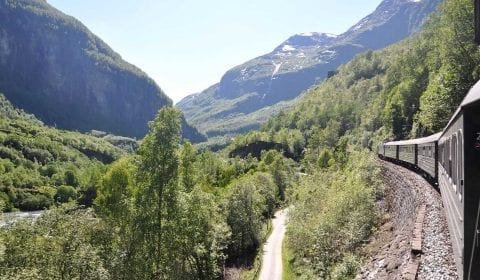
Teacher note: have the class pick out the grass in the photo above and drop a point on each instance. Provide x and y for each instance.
(287, 261)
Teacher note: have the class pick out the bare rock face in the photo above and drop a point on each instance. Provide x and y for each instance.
(51, 65)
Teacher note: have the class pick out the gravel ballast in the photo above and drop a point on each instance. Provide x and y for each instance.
(389, 250)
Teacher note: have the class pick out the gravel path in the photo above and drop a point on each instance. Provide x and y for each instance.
(389, 249)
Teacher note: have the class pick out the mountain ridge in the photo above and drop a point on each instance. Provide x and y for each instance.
(52, 66)
(300, 62)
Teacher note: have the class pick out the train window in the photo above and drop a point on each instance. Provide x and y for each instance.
(454, 160)
(460, 163)
(444, 155)
(440, 154)
(447, 158)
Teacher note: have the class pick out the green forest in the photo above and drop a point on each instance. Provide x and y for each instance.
(172, 210)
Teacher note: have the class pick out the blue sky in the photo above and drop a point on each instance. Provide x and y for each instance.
(187, 45)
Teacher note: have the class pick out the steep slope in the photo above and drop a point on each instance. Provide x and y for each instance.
(51, 65)
(36, 160)
(300, 62)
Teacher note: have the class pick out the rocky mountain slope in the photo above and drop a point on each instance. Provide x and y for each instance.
(51, 65)
(269, 82)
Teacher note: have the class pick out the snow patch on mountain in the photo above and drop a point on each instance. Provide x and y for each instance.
(288, 48)
(277, 68)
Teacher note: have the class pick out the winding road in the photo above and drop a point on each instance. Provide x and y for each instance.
(272, 250)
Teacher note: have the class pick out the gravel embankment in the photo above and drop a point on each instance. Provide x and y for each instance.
(389, 250)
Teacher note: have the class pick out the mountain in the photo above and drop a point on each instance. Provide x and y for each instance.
(52, 66)
(271, 81)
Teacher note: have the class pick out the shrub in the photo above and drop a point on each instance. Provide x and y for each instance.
(33, 202)
(5, 203)
(65, 194)
(347, 269)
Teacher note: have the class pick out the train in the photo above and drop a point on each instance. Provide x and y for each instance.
(450, 160)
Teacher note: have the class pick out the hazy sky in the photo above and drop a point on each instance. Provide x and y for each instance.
(187, 45)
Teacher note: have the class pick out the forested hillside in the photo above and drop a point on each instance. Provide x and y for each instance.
(40, 166)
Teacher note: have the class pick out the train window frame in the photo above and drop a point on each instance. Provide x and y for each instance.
(454, 155)
(439, 159)
(460, 164)
(440, 154)
(447, 158)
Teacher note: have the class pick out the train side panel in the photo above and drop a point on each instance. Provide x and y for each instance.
(426, 159)
(390, 151)
(452, 192)
(406, 153)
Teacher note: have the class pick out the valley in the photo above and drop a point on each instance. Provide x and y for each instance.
(132, 187)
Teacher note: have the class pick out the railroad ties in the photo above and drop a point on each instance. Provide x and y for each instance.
(417, 232)
(410, 272)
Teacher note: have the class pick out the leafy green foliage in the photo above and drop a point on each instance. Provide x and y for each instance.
(174, 212)
(35, 158)
(64, 244)
(334, 212)
(250, 203)
(65, 194)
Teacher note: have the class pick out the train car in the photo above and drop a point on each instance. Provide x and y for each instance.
(390, 151)
(402, 151)
(458, 178)
(407, 153)
(427, 154)
(418, 153)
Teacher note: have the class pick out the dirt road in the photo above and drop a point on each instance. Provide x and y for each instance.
(272, 250)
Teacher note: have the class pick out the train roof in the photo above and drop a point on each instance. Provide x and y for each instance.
(424, 140)
(472, 96)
